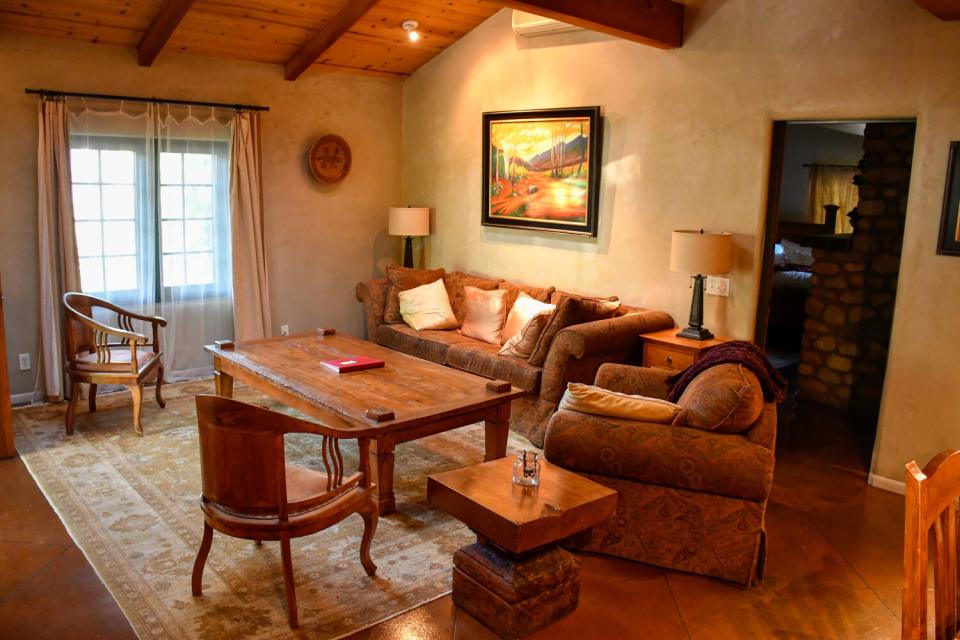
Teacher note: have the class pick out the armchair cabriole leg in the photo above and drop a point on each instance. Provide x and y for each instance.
(370, 517)
(92, 397)
(137, 392)
(201, 560)
(72, 408)
(288, 584)
(160, 400)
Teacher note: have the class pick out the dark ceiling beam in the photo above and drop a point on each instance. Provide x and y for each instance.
(323, 39)
(943, 9)
(162, 26)
(658, 23)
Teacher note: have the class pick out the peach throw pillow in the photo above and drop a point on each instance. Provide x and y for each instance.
(524, 309)
(523, 343)
(586, 398)
(427, 307)
(484, 312)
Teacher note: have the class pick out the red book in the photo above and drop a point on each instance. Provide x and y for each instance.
(353, 363)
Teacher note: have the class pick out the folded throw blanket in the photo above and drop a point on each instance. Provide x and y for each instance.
(737, 352)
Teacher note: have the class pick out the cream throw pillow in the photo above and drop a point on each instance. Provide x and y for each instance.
(484, 312)
(427, 307)
(523, 343)
(586, 398)
(524, 308)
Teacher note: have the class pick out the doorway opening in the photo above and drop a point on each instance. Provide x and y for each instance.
(837, 201)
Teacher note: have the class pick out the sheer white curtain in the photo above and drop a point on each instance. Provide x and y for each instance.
(152, 218)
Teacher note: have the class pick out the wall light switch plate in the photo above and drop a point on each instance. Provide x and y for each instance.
(284, 329)
(718, 286)
(24, 361)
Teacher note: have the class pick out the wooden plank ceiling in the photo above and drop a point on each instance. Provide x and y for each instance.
(360, 36)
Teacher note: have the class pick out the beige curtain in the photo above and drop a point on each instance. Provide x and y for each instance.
(251, 314)
(59, 265)
(832, 185)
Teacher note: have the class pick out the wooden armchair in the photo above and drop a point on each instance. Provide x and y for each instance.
(931, 514)
(250, 492)
(100, 354)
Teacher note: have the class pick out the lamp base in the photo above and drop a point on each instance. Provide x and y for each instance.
(408, 253)
(695, 333)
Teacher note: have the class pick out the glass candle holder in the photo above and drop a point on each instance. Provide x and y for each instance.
(526, 469)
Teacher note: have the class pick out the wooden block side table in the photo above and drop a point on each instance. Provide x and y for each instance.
(666, 350)
(516, 579)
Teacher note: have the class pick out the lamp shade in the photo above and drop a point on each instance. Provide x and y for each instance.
(699, 252)
(409, 221)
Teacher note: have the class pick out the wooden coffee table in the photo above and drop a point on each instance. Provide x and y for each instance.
(407, 399)
(516, 579)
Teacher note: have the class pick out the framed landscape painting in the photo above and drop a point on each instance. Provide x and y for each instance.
(541, 169)
(949, 243)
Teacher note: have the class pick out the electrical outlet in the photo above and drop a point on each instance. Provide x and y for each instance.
(718, 286)
(24, 361)
(284, 329)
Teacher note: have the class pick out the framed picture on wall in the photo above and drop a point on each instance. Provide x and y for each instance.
(541, 169)
(949, 243)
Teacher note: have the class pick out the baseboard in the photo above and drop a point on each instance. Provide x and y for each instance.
(23, 398)
(887, 484)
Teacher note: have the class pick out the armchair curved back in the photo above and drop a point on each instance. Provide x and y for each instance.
(78, 308)
(242, 462)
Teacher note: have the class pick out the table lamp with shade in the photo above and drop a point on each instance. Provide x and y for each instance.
(700, 253)
(409, 222)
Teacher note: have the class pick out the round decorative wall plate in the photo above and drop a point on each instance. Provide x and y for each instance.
(329, 159)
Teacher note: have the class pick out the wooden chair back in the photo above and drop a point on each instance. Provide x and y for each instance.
(79, 333)
(931, 516)
(243, 467)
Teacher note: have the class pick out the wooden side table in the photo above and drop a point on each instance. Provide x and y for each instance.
(516, 579)
(665, 350)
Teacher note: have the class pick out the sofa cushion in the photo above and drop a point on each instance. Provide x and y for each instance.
(429, 345)
(484, 314)
(666, 455)
(541, 294)
(427, 307)
(726, 398)
(456, 281)
(482, 359)
(401, 279)
(570, 311)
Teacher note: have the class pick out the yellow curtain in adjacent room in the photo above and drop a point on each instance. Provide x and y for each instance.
(832, 185)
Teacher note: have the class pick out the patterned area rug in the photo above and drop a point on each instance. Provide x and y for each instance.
(131, 504)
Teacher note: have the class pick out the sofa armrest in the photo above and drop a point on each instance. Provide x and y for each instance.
(591, 341)
(373, 295)
(666, 455)
(640, 381)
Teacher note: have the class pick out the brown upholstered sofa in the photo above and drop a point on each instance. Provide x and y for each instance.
(574, 356)
(690, 499)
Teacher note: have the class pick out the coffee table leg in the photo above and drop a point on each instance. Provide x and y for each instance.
(381, 471)
(497, 429)
(222, 382)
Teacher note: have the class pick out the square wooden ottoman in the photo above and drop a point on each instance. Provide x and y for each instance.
(516, 579)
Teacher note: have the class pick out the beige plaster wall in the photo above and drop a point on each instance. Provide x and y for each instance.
(320, 240)
(687, 141)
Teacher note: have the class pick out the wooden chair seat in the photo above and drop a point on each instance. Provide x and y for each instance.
(118, 360)
(249, 491)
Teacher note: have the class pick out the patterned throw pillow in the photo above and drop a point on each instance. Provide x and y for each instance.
(456, 282)
(484, 313)
(401, 279)
(587, 398)
(571, 310)
(427, 307)
(726, 398)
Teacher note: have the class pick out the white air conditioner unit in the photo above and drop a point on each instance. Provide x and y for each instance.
(530, 25)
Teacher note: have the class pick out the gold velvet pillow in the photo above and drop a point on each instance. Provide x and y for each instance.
(427, 307)
(571, 310)
(523, 310)
(484, 313)
(586, 398)
(455, 283)
(726, 398)
(401, 279)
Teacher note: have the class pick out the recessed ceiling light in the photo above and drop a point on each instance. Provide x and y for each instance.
(410, 26)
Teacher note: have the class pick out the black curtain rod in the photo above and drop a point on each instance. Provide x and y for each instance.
(104, 96)
(821, 164)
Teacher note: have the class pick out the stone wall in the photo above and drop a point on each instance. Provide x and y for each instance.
(850, 303)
